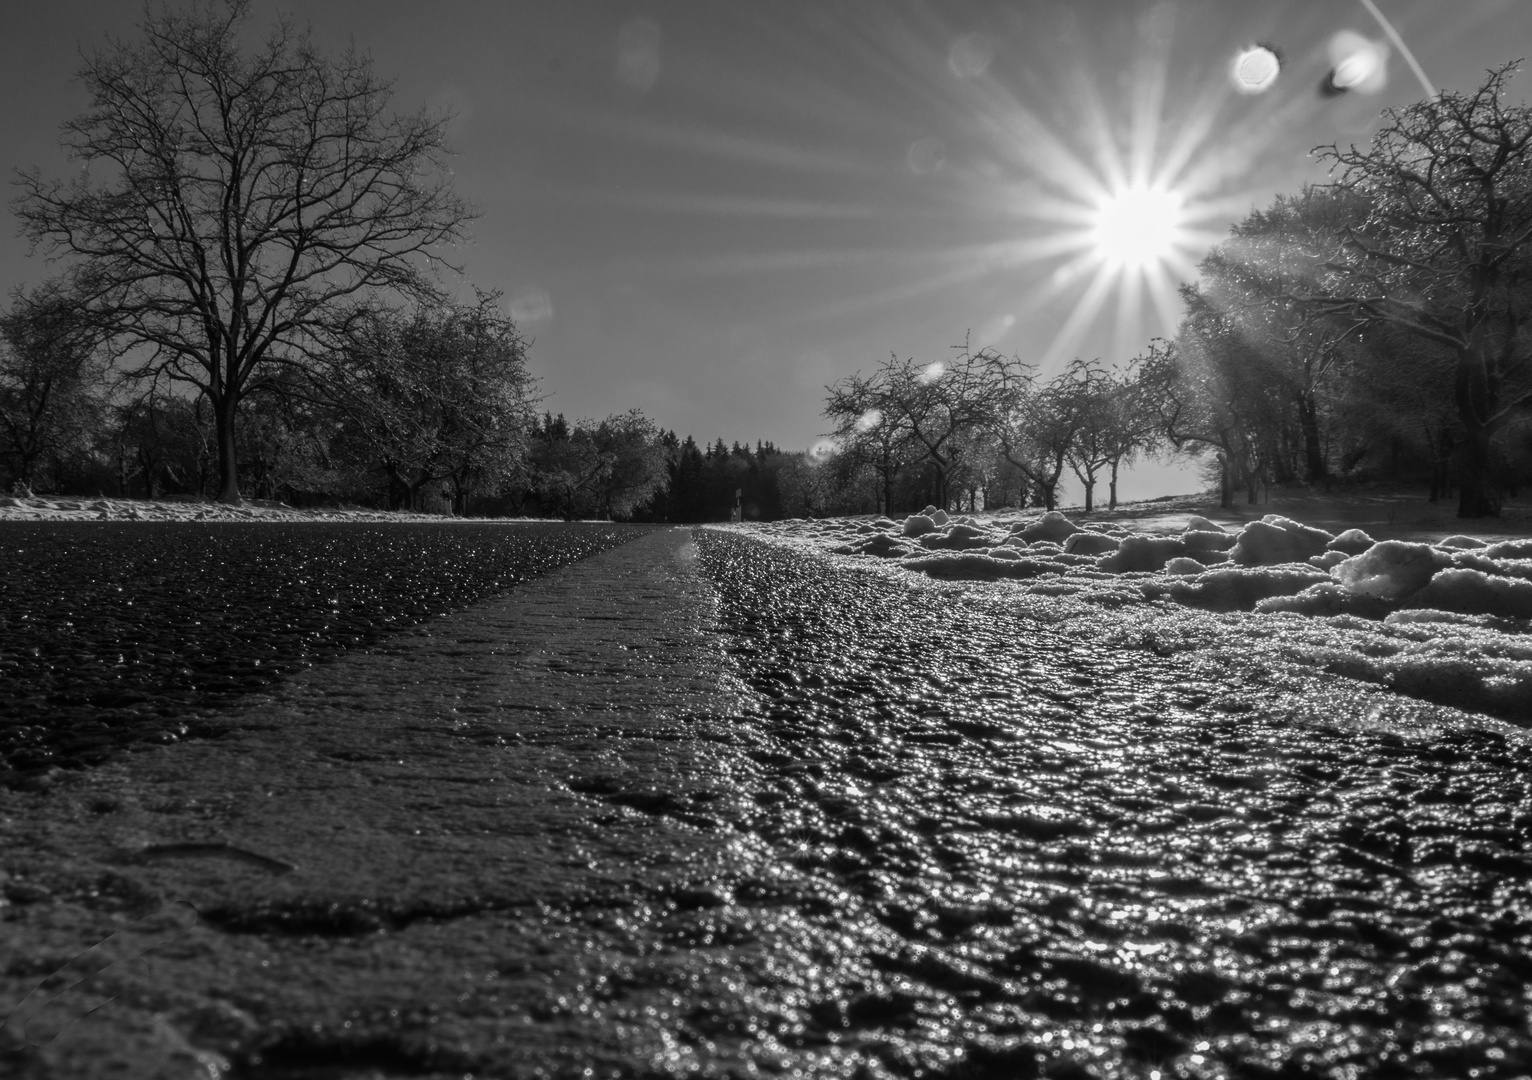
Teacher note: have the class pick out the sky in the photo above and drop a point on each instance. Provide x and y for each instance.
(710, 210)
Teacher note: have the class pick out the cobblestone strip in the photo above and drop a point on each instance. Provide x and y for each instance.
(387, 855)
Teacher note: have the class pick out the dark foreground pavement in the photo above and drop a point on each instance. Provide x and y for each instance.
(710, 807)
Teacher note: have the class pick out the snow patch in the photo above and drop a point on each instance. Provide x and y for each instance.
(1141, 553)
(1447, 623)
(1051, 526)
(1390, 569)
(1275, 539)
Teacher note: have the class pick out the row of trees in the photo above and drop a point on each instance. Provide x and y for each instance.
(431, 407)
(983, 422)
(1377, 325)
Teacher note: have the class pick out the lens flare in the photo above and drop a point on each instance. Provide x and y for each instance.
(926, 156)
(1356, 64)
(931, 372)
(869, 420)
(638, 55)
(970, 56)
(532, 305)
(1255, 69)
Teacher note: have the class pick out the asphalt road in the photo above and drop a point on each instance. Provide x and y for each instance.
(701, 806)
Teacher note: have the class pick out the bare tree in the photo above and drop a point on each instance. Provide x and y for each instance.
(928, 409)
(235, 212)
(1131, 423)
(1034, 423)
(1089, 394)
(868, 436)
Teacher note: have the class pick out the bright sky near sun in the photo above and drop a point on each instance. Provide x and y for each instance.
(709, 210)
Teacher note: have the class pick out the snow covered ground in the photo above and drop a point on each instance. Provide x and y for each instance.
(1445, 621)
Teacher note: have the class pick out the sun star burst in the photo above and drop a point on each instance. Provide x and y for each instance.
(1138, 227)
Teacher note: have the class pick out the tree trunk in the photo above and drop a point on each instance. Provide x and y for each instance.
(416, 503)
(398, 485)
(1090, 489)
(1314, 468)
(1478, 490)
(228, 457)
(1225, 482)
(1111, 499)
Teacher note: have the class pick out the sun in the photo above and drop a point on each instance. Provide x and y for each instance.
(1138, 227)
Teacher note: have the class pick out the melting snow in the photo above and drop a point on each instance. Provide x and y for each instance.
(1450, 622)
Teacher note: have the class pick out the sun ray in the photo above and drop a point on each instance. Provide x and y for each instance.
(1097, 131)
(959, 275)
(1103, 206)
(1150, 76)
(1085, 309)
(1166, 300)
(1129, 312)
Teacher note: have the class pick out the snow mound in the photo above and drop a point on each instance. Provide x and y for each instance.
(918, 525)
(1091, 543)
(1326, 600)
(880, 544)
(1473, 560)
(1198, 523)
(1051, 526)
(1390, 569)
(1508, 549)
(1429, 617)
(1473, 592)
(957, 537)
(1352, 542)
(1238, 588)
(1274, 540)
(1462, 542)
(1141, 553)
(977, 566)
(1203, 540)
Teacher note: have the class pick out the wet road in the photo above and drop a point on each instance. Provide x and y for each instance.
(118, 634)
(947, 832)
